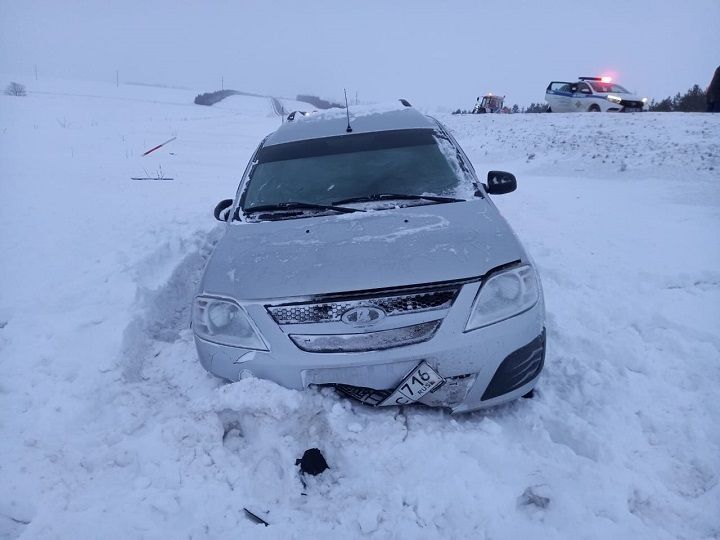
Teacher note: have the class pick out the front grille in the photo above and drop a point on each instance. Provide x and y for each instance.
(369, 341)
(323, 312)
(632, 104)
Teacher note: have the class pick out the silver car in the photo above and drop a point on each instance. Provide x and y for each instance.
(366, 255)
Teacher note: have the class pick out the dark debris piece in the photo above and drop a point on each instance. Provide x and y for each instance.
(531, 498)
(254, 517)
(312, 462)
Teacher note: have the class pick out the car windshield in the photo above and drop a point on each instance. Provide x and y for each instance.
(608, 88)
(320, 171)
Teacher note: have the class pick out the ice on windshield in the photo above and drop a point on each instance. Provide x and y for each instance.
(465, 188)
(411, 162)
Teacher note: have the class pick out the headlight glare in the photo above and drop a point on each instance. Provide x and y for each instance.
(614, 99)
(504, 295)
(225, 322)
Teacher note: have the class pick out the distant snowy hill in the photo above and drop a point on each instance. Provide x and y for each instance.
(111, 429)
(256, 105)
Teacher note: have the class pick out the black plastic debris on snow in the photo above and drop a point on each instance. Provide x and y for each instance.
(254, 517)
(531, 497)
(312, 462)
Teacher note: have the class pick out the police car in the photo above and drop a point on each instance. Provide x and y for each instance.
(591, 94)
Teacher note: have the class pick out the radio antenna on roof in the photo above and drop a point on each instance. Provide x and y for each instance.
(347, 111)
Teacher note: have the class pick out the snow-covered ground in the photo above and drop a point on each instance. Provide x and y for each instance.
(111, 429)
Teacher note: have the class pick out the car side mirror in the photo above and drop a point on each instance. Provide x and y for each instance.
(222, 209)
(499, 182)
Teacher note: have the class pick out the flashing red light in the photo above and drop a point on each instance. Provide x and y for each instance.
(606, 79)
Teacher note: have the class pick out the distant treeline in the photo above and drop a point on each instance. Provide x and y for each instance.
(694, 100)
(319, 102)
(536, 108)
(210, 98)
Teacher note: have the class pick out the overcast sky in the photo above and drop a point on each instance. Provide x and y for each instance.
(434, 53)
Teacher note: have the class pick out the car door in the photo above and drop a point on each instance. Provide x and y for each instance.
(581, 97)
(558, 94)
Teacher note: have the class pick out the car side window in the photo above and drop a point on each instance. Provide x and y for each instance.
(583, 88)
(559, 87)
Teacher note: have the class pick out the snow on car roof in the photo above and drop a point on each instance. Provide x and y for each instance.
(362, 119)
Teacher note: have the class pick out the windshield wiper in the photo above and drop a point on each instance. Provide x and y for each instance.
(296, 205)
(391, 196)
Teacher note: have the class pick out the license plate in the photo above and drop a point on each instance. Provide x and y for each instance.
(419, 382)
(632, 109)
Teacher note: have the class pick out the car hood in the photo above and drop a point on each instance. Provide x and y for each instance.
(360, 251)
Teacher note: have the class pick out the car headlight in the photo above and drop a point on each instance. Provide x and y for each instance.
(614, 99)
(504, 295)
(225, 322)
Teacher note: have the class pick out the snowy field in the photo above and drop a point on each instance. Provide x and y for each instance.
(109, 428)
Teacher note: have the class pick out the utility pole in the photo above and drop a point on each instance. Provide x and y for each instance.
(117, 79)
(36, 72)
(222, 82)
(356, 100)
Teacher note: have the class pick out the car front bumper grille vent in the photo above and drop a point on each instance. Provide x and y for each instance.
(632, 104)
(391, 304)
(519, 368)
(369, 341)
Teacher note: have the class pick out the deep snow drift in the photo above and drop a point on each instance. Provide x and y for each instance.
(111, 429)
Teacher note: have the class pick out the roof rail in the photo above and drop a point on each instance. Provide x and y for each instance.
(405, 102)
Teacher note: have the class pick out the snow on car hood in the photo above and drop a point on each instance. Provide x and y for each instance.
(360, 251)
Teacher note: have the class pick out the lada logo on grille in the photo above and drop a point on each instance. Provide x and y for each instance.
(363, 316)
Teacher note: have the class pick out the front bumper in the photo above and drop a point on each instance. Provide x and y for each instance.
(624, 105)
(631, 105)
(483, 367)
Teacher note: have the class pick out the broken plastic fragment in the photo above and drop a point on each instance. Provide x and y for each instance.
(312, 462)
